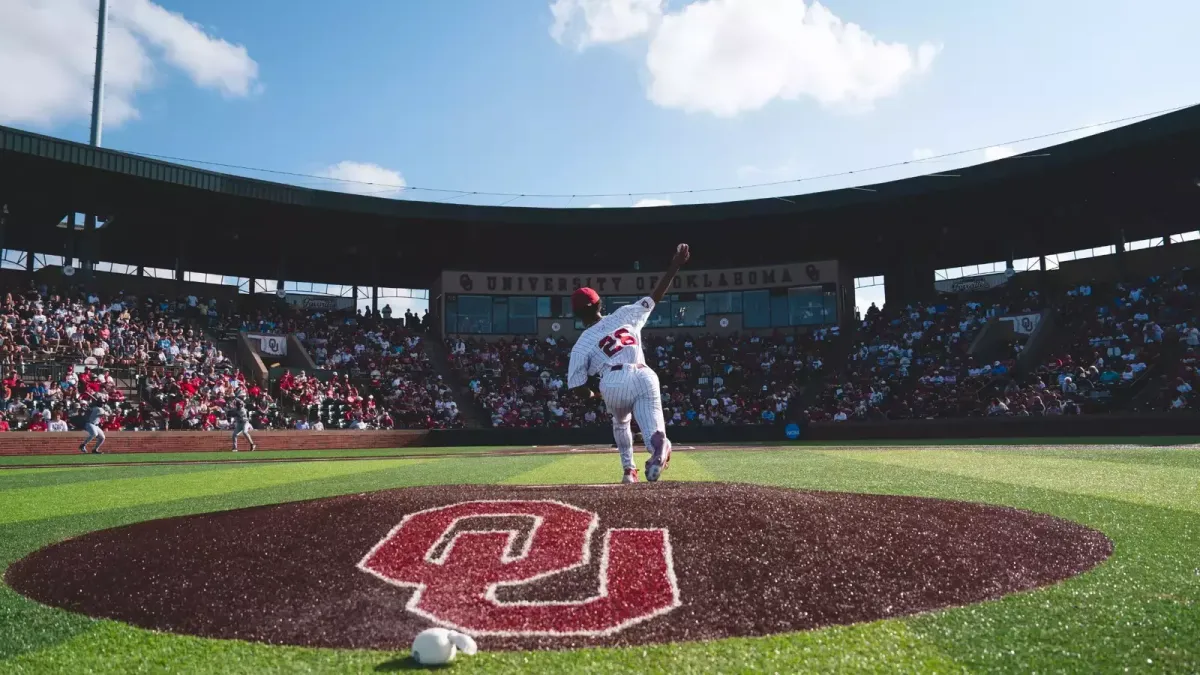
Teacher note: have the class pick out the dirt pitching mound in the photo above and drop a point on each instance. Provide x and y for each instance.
(554, 567)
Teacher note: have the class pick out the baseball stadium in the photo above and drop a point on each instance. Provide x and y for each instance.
(225, 452)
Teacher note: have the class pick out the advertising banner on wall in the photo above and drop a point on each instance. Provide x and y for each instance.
(273, 345)
(688, 281)
(971, 284)
(318, 303)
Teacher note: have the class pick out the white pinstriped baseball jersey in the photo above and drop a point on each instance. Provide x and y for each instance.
(613, 340)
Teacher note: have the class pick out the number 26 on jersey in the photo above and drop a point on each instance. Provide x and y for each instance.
(618, 340)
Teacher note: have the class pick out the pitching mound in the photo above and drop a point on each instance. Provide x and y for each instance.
(554, 567)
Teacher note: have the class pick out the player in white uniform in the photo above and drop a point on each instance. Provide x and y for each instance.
(611, 347)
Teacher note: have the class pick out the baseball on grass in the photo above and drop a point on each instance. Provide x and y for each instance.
(437, 646)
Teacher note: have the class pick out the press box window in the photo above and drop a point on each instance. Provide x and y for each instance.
(523, 313)
(475, 314)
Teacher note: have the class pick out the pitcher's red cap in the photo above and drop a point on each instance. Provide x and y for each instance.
(583, 298)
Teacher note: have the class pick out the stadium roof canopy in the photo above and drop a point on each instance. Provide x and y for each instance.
(1141, 179)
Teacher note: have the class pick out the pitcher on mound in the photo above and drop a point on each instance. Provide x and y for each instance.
(611, 347)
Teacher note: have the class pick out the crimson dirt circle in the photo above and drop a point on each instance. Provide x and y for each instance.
(555, 567)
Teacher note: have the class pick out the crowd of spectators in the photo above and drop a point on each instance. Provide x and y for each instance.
(75, 327)
(1119, 337)
(387, 361)
(201, 399)
(36, 404)
(413, 398)
(375, 373)
(912, 362)
(149, 361)
(64, 348)
(706, 379)
(522, 383)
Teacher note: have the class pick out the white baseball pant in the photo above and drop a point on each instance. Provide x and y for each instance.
(93, 432)
(633, 390)
(243, 429)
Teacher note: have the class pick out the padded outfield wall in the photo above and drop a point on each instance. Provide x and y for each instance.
(63, 443)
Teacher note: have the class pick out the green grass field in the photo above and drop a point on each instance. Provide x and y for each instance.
(1138, 612)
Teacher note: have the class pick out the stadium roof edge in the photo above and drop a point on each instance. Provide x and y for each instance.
(1080, 150)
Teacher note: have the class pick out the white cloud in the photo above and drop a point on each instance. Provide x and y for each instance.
(922, 153)
(790, 169)
(749, 172)
(211, 62)
(582, 23)
(652, 202)
(47, 52)
(997, 152)
(595, 206)
(365, 179)
(726, 57)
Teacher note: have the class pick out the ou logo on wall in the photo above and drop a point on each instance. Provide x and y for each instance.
(457, 573)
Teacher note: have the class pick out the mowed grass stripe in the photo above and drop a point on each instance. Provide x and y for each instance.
(227, 456)
(1149, 484)
(28, 478)
(1180, 457)
(1048, 441)
(885, 646)
(605, 468)
(59, 500)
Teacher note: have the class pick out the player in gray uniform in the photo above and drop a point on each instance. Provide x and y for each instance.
(92, 426)
(241, 425)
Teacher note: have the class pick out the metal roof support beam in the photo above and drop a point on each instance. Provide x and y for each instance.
(282, 274)
(374, 284)
(72, 242)
(87, 256)
(1119, 244)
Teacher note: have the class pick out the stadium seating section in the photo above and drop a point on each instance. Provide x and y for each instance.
(159, 363)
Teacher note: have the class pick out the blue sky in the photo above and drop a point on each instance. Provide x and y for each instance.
(640, 96)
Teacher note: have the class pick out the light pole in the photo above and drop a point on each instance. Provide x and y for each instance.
(98, 80)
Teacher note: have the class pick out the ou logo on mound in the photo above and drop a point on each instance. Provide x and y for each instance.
(457, 573)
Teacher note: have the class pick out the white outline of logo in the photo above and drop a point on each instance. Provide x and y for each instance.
(508, 557)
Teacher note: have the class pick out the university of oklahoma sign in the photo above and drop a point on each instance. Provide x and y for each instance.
(689, 281)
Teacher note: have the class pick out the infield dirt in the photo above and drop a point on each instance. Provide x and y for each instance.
(747, 561)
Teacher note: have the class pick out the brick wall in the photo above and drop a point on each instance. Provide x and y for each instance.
(46, 443)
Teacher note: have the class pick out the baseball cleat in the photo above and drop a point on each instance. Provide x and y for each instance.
(630, 476)
(660, 456)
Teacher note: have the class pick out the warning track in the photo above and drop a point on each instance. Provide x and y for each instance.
(517, 451)
(248, 457)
